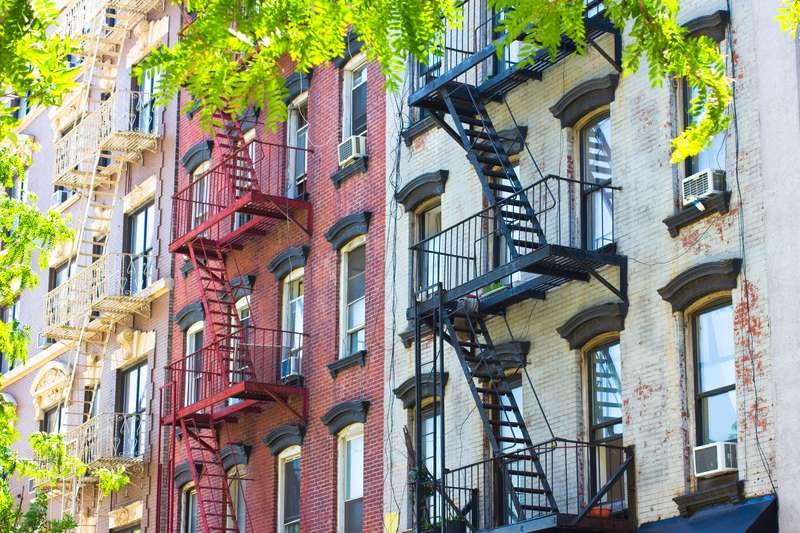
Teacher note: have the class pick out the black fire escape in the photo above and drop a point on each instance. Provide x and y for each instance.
(523, 229)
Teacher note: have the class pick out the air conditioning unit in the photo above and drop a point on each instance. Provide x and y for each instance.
(714, 459)
(352, 148)
(59, 196)
(701, 185)
(44, 341)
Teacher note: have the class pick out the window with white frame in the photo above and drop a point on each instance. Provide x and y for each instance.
(245, 177)
(597, 201)
(238, 490)
(298, 140)
(188, 516)
(193, 363)
(429, 225)
(713, 156)
(200, 194)
(292, 318)
(353, 310)
(354, 98)
(351, 479)
(289, 490)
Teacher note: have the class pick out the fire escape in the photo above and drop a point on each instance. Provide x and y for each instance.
(521, 241)
(237, 371)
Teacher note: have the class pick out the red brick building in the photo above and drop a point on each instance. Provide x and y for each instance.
(278, 241)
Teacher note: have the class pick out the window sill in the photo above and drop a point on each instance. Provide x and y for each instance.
(417, 128)
(724, 489)
(351, 169)
(357, 359)
(718, 203)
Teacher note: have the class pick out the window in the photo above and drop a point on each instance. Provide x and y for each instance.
(605, 417)
(193, 364)
(293, 301)
(351, 478)
(145, 115)
(22, 106)
(429, 224)
(298, 139)
(239, 366)
(200, 194)
(131, 422)
(59, 274)
(8, 314)
(715, 375)
(139, 248)
(596, 170)
(245, 178)
(289, 490)
(237, 488)
(713, 157)
(51, 422)
(432, 455)
(188, 518)
(512, 432)
(353, 300)
(355, 100)
(60, 195)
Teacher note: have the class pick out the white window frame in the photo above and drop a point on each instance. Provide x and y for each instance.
(194, 328)
(237, 479)
(289, 454)
(291, 133)
(200, 210)
(344, 332)
(351, 432)
(186, 493)
(358, 61)
(290, 342)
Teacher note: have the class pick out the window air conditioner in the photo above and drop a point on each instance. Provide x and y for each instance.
(352, 148)
(714, 459)
(701, 185)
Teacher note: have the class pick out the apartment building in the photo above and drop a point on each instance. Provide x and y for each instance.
(581, 335)
(272, 407)
(100, 313)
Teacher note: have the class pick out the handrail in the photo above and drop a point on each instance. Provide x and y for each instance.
(109, 436)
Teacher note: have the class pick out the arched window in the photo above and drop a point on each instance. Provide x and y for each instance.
(353, 297)
(351, 479)
(193, 363)
(292, 323)
(289, 490)
(597, 208)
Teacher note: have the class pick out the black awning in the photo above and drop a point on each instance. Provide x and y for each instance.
(756, 515)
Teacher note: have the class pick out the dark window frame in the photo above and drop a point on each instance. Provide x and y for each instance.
(138, 259)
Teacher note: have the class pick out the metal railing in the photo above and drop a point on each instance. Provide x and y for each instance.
(587, 479)
(477, 245)
(252, 355)
(208, 196)
(130, 115)
(115, 283)
(109, 438)
(80, 17)
(476, 31)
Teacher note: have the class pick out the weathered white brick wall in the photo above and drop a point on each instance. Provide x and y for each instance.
(658, 409)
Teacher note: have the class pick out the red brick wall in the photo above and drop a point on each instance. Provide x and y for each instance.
(361, 192)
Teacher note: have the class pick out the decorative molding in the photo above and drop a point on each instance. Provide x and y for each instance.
(584, 98)
(417, 128)
(135, 345)
(197, 154)
(407, 391)
(357, 359)
(512, 354)
(284, 436)
(189, 314)
(422, 188)
(148, 35)
(513, 139)
(140, 195)
(125, 516)
(296, 84)
(234, 454)
(701, 280)
(186, 267)
(352, 46)
(288, 260)
(589, 323)
(712, 25)
(48, 387)
(351, 169)
(183, 475)
(347, 228)
(342, 415)
(240, 286)
(716, 203)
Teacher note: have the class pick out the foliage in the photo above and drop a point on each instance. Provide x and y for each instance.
(789, 16)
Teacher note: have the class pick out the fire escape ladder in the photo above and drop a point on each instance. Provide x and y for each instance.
(516, 220)
(502, 420)
(238, 166)
(214, 502)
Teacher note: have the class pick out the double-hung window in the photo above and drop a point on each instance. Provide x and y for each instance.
(596, 172)
(139, 248)
(131, 422)
(429, 225)
(715, 375)
(605, 417)
(238, 490)
(51, 421)
(193, 364)
(247, 162)
(292, 317)
(298, 141)
(353, 298)
(355, 99)
(189, 517)
(351, 479)
(239, 365)
(289, 490)
(713, 156)
(432, 455)
(144, 114)
(512, 432)
(200, 194)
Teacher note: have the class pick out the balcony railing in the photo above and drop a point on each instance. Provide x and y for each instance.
(222, 200)
(103, 17)
(473, 254)
(241, 365)
(122, 127)
(469, 50)
(114, 286)
(109, 439)
(589, 481)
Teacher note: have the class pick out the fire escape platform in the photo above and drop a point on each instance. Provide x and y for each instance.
(562, 523)
(266, 210)
(131, 144)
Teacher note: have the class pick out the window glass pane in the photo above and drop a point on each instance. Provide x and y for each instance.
(352, 516)
(358, 102)
(712, 157)
(354, 468)
(291, 491)
(718, 416)
(355, 273)
(715, 349)
(606, 384)
(597, 168)
(356, 341)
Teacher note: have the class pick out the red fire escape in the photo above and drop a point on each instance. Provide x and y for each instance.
(243, 195)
